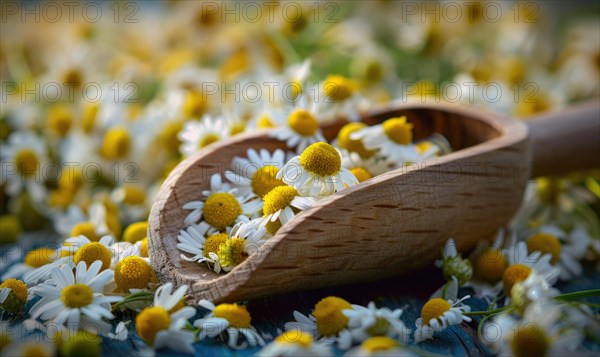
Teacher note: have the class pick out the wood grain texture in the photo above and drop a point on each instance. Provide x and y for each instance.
(385, 226)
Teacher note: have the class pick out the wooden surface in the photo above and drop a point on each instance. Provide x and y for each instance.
(389, 225)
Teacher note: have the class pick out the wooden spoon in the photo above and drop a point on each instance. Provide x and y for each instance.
(392, 223)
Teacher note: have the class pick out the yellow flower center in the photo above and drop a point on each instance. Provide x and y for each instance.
(195, 105)
(321, 159)
(398, 130)
(17, 287)
(221, 209)
(264, 180)
(278, 198)
(135, 232)
(379, 343)
(295, 89)
(133, 273)
(361, 174)
(514, 274)
(144, 248)
(303, 122)
(60, 198)
(529, 340)
(60, 120)
(77, 295)
(237, 128)
(90, 113)
(91, 252)
(434, 309)
(116, 144)
(540, 102)
(35, 350)
(232, 252)
(134, 195)
(356, 146)
(295, 337)
(27, 162)
(338, 88)
(10, 228)
(208, 139)
(330, 319)
(85, 229)
(546, 244)
(71, 180)
(213, 242)
(39, 257)
(169, 136)
(550, 189)
(237, 315)
(151, 321)
(73, 77)
(490, 266)
(379, 328)
(81, 343)
(423, 147)
(264, 122)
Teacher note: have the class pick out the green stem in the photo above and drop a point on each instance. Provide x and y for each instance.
(578, 295)
(488, 312)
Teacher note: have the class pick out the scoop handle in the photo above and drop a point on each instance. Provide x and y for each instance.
(565, 140)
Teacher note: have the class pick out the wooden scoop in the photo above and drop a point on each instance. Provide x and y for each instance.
(392, 223)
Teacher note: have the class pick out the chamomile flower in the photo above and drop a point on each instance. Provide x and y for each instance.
(13, 295)
(380, 346)
(133, 272)
(30, 348)
(365, 168)
(70, 296)
(295, 343)
(33, 259)
(82, 249)
(243, 240)
(317, 172)
(160, 327)
(24, 156)
(199, 240)
(366, 322)
(231, 321)
(281, 204)
(196, 135)
(539, 333)
(341, 98)
(257, 173)
(443, 309)
(489, 263)
(453, 264)
(520, 265)
(534, 289)
(302, 130)
(328, 322)
(222, 207)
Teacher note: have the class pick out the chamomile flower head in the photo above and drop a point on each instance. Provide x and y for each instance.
(222, 207)
(196, 135)
(70, 296)
(133, 272)
(317, 172)
(301, 130)
(380, 346)
(341, 98)
(453, 264)
(353, 145)
(281, 204)
(13, 295)
(365, 168)
(257, 173)
(443, 309)
(24, 156)
(160, 327)
(231, 321)
(534, 289)
(33, 259)
(85, 250)
(521, 265)
(243, 240)
(295, 343)
(538, 333)
(367, 322)
(199, 240)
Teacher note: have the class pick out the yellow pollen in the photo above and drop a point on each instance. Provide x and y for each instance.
(213, 242)
(27, 162)
(278, 198)
(330, 319)
(264, 180)
(221, 210)
(361, 174)
(134, 195)
(85, 229)
(321, 159)
(133, 273)
(144, 248)
(546, 244)
(338, 88)
(264, 122)
(151, 321)
(529, 340)
(232, 252)
(208, 139)
(91, 252)
(398, 130)
(135, 232)
(116, 144)
(379, 343)
(303, 122)
(195, 105)
(434, 309)
(17, 287)
(514, 274)
(356, 146)
(490, 266)
(237, 315)
(39, 257)
(77, 295)
(59, 120)
(295, 337)
(169, 136)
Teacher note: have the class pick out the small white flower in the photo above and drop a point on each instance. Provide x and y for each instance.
(374, 165)
(198, 134)
(281, 205)
(295, 343)
(256, 173)
(381, 346)
(301, 130)
(193, 239)
(366, 322)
